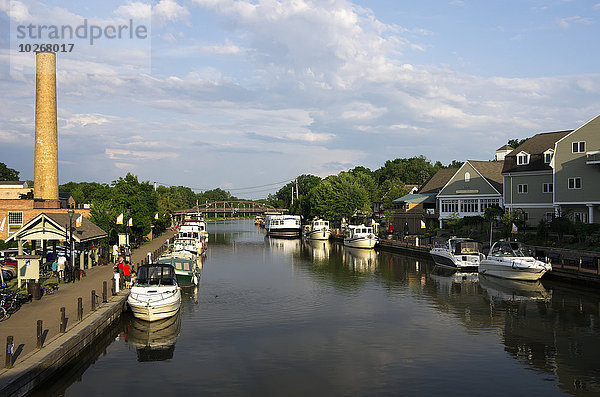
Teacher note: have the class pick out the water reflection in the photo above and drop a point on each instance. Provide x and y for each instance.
(288, 246)
(154, 341)
(504, 290)
(360, 260)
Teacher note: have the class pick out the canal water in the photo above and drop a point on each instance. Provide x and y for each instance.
(276, 317)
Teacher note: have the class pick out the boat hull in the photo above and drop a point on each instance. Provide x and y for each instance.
(360, 242)
(490, 268)
(284, 232)
(186, 279)
(153, 307)
(318, 235)
(445, 258)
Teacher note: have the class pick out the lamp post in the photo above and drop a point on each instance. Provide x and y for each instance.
(71, 262)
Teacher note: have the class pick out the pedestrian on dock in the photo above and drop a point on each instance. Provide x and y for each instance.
(54, 267)
(127, 274)
(115, 252)
(62, 261)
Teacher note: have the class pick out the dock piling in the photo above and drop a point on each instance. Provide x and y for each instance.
(104, 289)
(93, 300)
(63, 320)
(40, 342)
(79, 309)
(10, 347)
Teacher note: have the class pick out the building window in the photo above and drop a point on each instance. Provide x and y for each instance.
(486, 203)
(450, 206)
(469, 206)
(522, 188)
(548, 188)
(580, 217)
(548, 156)
(522, 158)
(575, 183)
(15, 218)
(467, 176)
(549, 216)
(578, 147)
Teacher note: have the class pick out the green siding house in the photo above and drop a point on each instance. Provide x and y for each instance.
(528, 178)
(474, 187)
(576, 175)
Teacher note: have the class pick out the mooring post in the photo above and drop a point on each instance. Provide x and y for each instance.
(63, 320)
(114, 287)
(104, 288)
(10, 347)
(93, 300)
(39, 334)
(79, 309)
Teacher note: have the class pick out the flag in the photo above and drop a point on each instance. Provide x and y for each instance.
(120, 219)
(423, 225)
(156, 216)
(515, 229)
(130, 222)
(79, 221)
(2, 225)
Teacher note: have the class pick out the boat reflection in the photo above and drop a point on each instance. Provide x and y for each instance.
(284, 245)
(451, 281)
(154, 341)
(505, 290)
(360, 260)
(318, 250)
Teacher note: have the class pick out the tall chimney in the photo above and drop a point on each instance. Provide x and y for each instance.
(45, 172)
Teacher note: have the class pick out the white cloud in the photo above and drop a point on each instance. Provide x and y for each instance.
(568, 21)
(136, 10)
(169, 11)
(227, 49)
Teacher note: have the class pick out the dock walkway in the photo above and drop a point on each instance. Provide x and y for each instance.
(22, 325)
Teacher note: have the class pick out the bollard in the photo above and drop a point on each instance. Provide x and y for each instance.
(63, 320)
(79, 309)
(39, 334)
(10, 349)
(93, 300)
(104, 288)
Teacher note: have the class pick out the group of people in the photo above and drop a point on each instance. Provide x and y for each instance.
(62, 269)
(121, 251)
(122, 269)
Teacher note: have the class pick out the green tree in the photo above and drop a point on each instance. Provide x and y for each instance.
(339, 196)
(514, 143)
(8, 174)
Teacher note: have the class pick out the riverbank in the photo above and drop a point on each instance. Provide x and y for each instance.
(22, 325)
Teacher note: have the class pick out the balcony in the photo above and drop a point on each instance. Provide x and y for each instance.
(593, 157)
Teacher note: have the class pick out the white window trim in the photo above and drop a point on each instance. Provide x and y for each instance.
(574, 183)
(523, 154)
(15, 212)
(467, 176)
(520, 190)
(548, 184)
(548, 152)
(578, 146)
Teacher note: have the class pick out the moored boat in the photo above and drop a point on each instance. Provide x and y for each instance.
(317, 230)
(283, 225)
(155, 294)
(186, 267)
(460, 253)
(360, 236)
(512, 260)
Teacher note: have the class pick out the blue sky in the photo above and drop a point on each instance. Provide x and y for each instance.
(243, 93)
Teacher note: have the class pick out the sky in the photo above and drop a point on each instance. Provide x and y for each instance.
(247, 94)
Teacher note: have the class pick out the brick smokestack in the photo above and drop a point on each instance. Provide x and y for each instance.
(45, 172)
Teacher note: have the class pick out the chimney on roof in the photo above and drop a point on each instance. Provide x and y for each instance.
(46, 140)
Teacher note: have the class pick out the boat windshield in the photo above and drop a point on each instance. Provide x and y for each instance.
(510, 249)
(468, 247)
(155, 275)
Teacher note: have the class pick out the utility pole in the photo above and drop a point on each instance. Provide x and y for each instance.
(292, 194)
(296, 188)
(154, 185)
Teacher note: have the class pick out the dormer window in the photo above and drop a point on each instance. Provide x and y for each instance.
(467, 176)
(548, 156)
(523, 158)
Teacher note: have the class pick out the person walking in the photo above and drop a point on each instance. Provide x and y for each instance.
(54, 268)
(127, 274)
(60, 266)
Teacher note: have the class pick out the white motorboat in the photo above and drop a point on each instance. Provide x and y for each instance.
(195, 225)
(460, 253)
(317, 230)
(283, 225)
(187, 266)
(512, 260)
(360, 236)
(155, 294)
(190, 244)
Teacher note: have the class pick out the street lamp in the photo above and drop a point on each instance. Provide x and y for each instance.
(71, 262)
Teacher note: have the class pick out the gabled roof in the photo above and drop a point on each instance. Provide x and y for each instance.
(535, 146)
(59, 225)
(438, 180)
(491, 171)
(505, 147)
(13, 183)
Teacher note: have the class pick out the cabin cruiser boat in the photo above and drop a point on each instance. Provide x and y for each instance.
(283, 225)
(360, 236)
(186, 266)
(155, 294)
(460, 253)
(259, 220)
(317, 230)
(512, 260)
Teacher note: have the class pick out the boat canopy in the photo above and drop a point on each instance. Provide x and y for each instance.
(510, 249)
(159, 274)
(465, 247)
